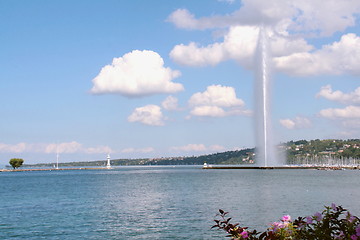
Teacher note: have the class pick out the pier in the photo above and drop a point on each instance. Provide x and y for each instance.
(285, 167)
(52, 169)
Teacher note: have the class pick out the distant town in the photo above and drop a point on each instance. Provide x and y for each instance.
(317, 151)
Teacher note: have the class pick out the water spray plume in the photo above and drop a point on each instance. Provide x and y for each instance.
(265, 149)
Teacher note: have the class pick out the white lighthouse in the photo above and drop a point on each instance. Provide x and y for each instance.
(108, 161)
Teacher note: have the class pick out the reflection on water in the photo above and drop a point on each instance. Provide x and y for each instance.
(162, 202)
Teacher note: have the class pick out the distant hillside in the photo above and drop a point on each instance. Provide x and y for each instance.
(244, 156)
(298, 152)
(302, 151)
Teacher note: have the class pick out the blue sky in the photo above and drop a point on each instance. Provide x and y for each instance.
(171, 78)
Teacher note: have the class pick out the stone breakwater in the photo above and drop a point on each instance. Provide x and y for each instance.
(51, 169)
(284, 167)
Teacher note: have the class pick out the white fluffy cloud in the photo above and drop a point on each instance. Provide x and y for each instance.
(216, 101)
(286, 22)
(290, 55)
(239, 44)
(13, 148)
(208, 111)
(193, 55)
(170, 103)
(249, 14)
(338, 96)
(288, 123)
(301, 16)
(296, 123)
(348, 112)
(148, 115)
(216, 95)
(337, 58)
(68, 147)
(324, 19)
(349, 116)
(138, 73)
(65, 147)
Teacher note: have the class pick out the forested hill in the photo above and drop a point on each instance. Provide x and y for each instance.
(294, 150)
(244, 156)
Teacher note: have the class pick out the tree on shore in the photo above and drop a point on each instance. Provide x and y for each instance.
(16, 162)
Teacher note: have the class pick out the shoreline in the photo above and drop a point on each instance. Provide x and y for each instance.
(328, 168)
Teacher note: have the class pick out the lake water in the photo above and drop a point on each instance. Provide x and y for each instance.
(162, 202)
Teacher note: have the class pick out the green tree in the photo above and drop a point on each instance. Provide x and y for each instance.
(16, 162)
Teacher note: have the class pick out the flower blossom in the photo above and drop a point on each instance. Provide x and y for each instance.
(309, 220)
(318, 216)
(340, 236)
(244, 234)
(333, 206)
(354, 237)
(357, 230)
(286, 218)
(276, 226)
(350, 217)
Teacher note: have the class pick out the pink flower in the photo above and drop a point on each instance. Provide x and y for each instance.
(309, 220)
(277, 225)
(244, 234)
(286, 218)
(340, 236)
(350, 217)
(333, 206)
(318, 216)
(354, 237)
(358, 230)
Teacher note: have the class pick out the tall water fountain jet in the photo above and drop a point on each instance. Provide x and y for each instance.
(265, 149)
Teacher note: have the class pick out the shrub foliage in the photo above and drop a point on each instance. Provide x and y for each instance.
(334, 222)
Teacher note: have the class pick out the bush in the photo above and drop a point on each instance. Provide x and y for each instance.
(334, 222)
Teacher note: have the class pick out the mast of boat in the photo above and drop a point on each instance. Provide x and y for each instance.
(57, 158)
